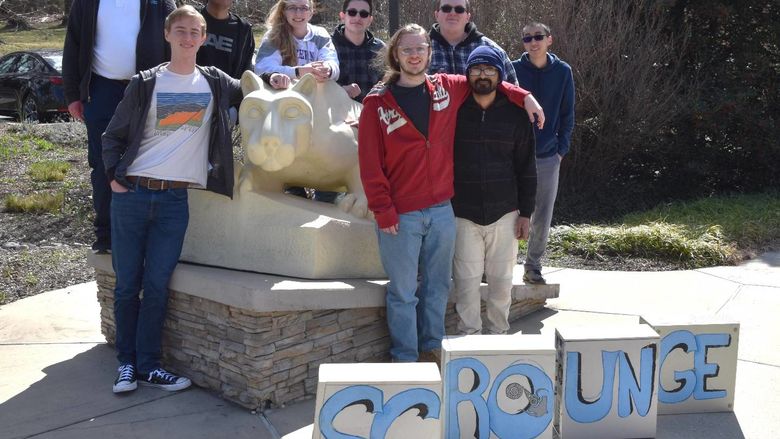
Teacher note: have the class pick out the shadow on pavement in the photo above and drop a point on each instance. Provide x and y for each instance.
(72, 391)
(699, 425)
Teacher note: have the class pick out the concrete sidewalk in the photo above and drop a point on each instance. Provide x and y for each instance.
(56, 370)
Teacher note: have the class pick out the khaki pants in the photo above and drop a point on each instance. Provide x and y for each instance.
(492, 250)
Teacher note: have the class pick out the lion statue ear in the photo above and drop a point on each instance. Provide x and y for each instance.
(306, 85)
(251, 82)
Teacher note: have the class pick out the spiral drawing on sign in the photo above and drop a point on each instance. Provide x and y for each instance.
(515, 391)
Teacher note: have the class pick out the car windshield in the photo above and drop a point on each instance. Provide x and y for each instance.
(54, 60)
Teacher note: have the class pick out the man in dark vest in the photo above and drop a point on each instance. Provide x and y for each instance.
(105, 45)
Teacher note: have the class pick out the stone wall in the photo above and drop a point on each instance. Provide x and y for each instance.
(262, 359)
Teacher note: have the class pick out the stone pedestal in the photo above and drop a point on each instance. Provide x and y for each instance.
(281, 234)
(258, 340)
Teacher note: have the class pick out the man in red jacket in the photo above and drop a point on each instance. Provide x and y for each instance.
(405, 148)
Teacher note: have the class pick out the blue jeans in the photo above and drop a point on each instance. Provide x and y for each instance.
(415, 316)
(147, 233)
(104, 96)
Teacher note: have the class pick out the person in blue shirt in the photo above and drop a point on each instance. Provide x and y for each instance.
(551, 81)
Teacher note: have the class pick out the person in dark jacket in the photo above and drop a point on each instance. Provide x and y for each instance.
(454, 36)
(230, 44)
(551, 80)
(495, 185)
(105, 44)
(357, 47)
(170, 132)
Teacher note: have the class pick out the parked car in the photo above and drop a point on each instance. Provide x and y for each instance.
(31, 86)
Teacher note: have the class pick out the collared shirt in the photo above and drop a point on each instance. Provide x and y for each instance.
(453, 59)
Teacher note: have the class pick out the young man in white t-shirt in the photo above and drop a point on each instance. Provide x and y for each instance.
(170, 132)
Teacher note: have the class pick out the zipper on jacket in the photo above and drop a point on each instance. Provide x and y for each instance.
(482, 169)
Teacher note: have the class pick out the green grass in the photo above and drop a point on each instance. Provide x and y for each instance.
(41, 202)
(48, 38)
(669, 242)
(16, 145)
(701, 233)
(748, 221)
(50, 170)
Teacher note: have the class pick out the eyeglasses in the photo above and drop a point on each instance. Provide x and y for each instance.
(529, 38)
(487, 71)
(363, 13)
(295, 9)
(449, 8)
(419, 50)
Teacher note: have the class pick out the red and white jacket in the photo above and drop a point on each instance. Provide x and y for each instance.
(401, 170)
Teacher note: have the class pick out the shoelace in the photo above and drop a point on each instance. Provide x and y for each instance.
(164, 375)
(126, 373)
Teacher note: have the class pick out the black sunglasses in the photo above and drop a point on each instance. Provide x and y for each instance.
(529, 38)
(448, 8)
(363, 13)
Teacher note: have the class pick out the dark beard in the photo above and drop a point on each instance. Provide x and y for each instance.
(483, 87)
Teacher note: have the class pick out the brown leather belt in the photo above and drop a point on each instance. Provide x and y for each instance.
(155, 184)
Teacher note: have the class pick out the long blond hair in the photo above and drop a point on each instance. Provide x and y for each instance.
(391, 64)
(280, 33)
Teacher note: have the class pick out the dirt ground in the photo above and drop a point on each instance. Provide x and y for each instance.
(41, 252)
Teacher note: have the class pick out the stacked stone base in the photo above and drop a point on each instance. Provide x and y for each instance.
(264, 359)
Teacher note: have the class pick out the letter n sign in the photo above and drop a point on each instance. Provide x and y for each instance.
(607, 379)
(697, 363)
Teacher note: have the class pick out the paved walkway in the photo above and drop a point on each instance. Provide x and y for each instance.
(56, 370)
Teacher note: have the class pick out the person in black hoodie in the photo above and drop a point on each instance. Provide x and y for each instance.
(495, 183)
(230, 44)
(106, 43)
(357, 47)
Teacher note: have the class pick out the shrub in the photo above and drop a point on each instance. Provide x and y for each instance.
(41, 202)
(49, 171)
(689, 246)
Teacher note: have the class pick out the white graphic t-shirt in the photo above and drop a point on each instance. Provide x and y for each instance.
(176, 136)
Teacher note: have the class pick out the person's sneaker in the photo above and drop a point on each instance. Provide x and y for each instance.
(165, 380)
(125, 379)
(101, 247)
(533, 277)
(430, 357)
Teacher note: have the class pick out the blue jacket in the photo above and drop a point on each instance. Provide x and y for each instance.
(553, 87)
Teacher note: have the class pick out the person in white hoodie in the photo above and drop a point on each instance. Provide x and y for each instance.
(292, 47)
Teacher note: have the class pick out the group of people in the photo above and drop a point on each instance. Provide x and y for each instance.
(458, 161)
